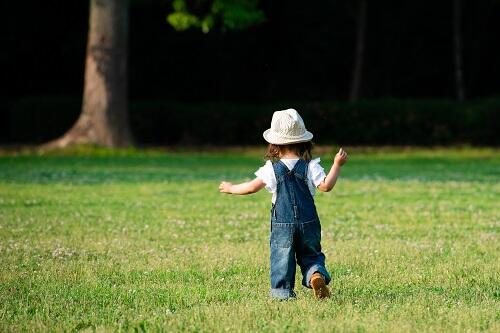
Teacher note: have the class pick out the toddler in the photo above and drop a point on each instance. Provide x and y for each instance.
(293, 177)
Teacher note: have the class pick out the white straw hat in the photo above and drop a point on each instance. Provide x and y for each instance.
(287, 127)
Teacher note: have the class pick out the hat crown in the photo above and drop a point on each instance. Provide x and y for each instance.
(288, 123)
(287, 127)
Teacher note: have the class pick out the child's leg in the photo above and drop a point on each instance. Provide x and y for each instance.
(282, 261)
(309, 255)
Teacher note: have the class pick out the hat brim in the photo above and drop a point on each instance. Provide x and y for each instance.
(280, 140)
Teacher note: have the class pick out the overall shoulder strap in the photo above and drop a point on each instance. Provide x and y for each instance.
(306, 168)
(279, 169)
(300, 169)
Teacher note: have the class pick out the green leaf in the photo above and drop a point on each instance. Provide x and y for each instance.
(182, 21)
(232, 14)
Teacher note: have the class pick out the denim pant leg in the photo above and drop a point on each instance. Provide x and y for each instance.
(282, 261)
(309, 255)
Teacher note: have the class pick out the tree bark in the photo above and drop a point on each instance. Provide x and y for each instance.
(358, 53)
(457, 50)
(104, 116)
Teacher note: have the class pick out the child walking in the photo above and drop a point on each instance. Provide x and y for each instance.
(293, 177)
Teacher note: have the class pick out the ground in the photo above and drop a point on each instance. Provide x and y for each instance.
(142, 240)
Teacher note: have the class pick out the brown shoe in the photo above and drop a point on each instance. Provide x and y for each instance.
(318, 284)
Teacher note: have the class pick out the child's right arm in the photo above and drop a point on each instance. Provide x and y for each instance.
(244, 188)
(331, 178)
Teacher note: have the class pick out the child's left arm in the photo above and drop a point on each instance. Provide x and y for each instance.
(330, 180)
(244, 188)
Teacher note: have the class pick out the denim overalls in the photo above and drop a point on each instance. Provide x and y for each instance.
(295, 231)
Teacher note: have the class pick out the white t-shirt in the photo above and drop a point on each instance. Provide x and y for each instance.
(315, 174)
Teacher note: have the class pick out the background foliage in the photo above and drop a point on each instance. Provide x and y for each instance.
(389, 121)
(298, 55)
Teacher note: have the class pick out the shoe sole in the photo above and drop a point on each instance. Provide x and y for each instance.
(320, 288)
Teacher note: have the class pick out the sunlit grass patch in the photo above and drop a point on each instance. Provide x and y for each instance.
(143, 240)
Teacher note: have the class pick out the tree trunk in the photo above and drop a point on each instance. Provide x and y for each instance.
(104, 116)
(358, 53)
(457, 46)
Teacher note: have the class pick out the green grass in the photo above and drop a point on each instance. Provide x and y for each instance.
(133, 240)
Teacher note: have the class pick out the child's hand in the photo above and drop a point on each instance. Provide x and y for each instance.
(340, 158)
(225, 187)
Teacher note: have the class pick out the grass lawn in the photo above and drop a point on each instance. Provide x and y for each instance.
(143, 241)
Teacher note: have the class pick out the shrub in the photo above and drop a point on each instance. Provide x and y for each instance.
(370, 122)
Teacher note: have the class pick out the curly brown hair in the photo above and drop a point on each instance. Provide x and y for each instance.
(302, 149)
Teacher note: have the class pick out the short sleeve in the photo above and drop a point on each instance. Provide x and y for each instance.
(316, 173)
(266, 174)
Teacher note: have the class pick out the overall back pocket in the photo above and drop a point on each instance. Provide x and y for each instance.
(282, 235)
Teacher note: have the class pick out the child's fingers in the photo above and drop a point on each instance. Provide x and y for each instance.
(223, 187)
(344, 156)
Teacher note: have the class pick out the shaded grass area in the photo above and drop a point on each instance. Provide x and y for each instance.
(158, 166)
(142, 240)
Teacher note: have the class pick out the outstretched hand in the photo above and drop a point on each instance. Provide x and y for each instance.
(341, 157)
(225, 187)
